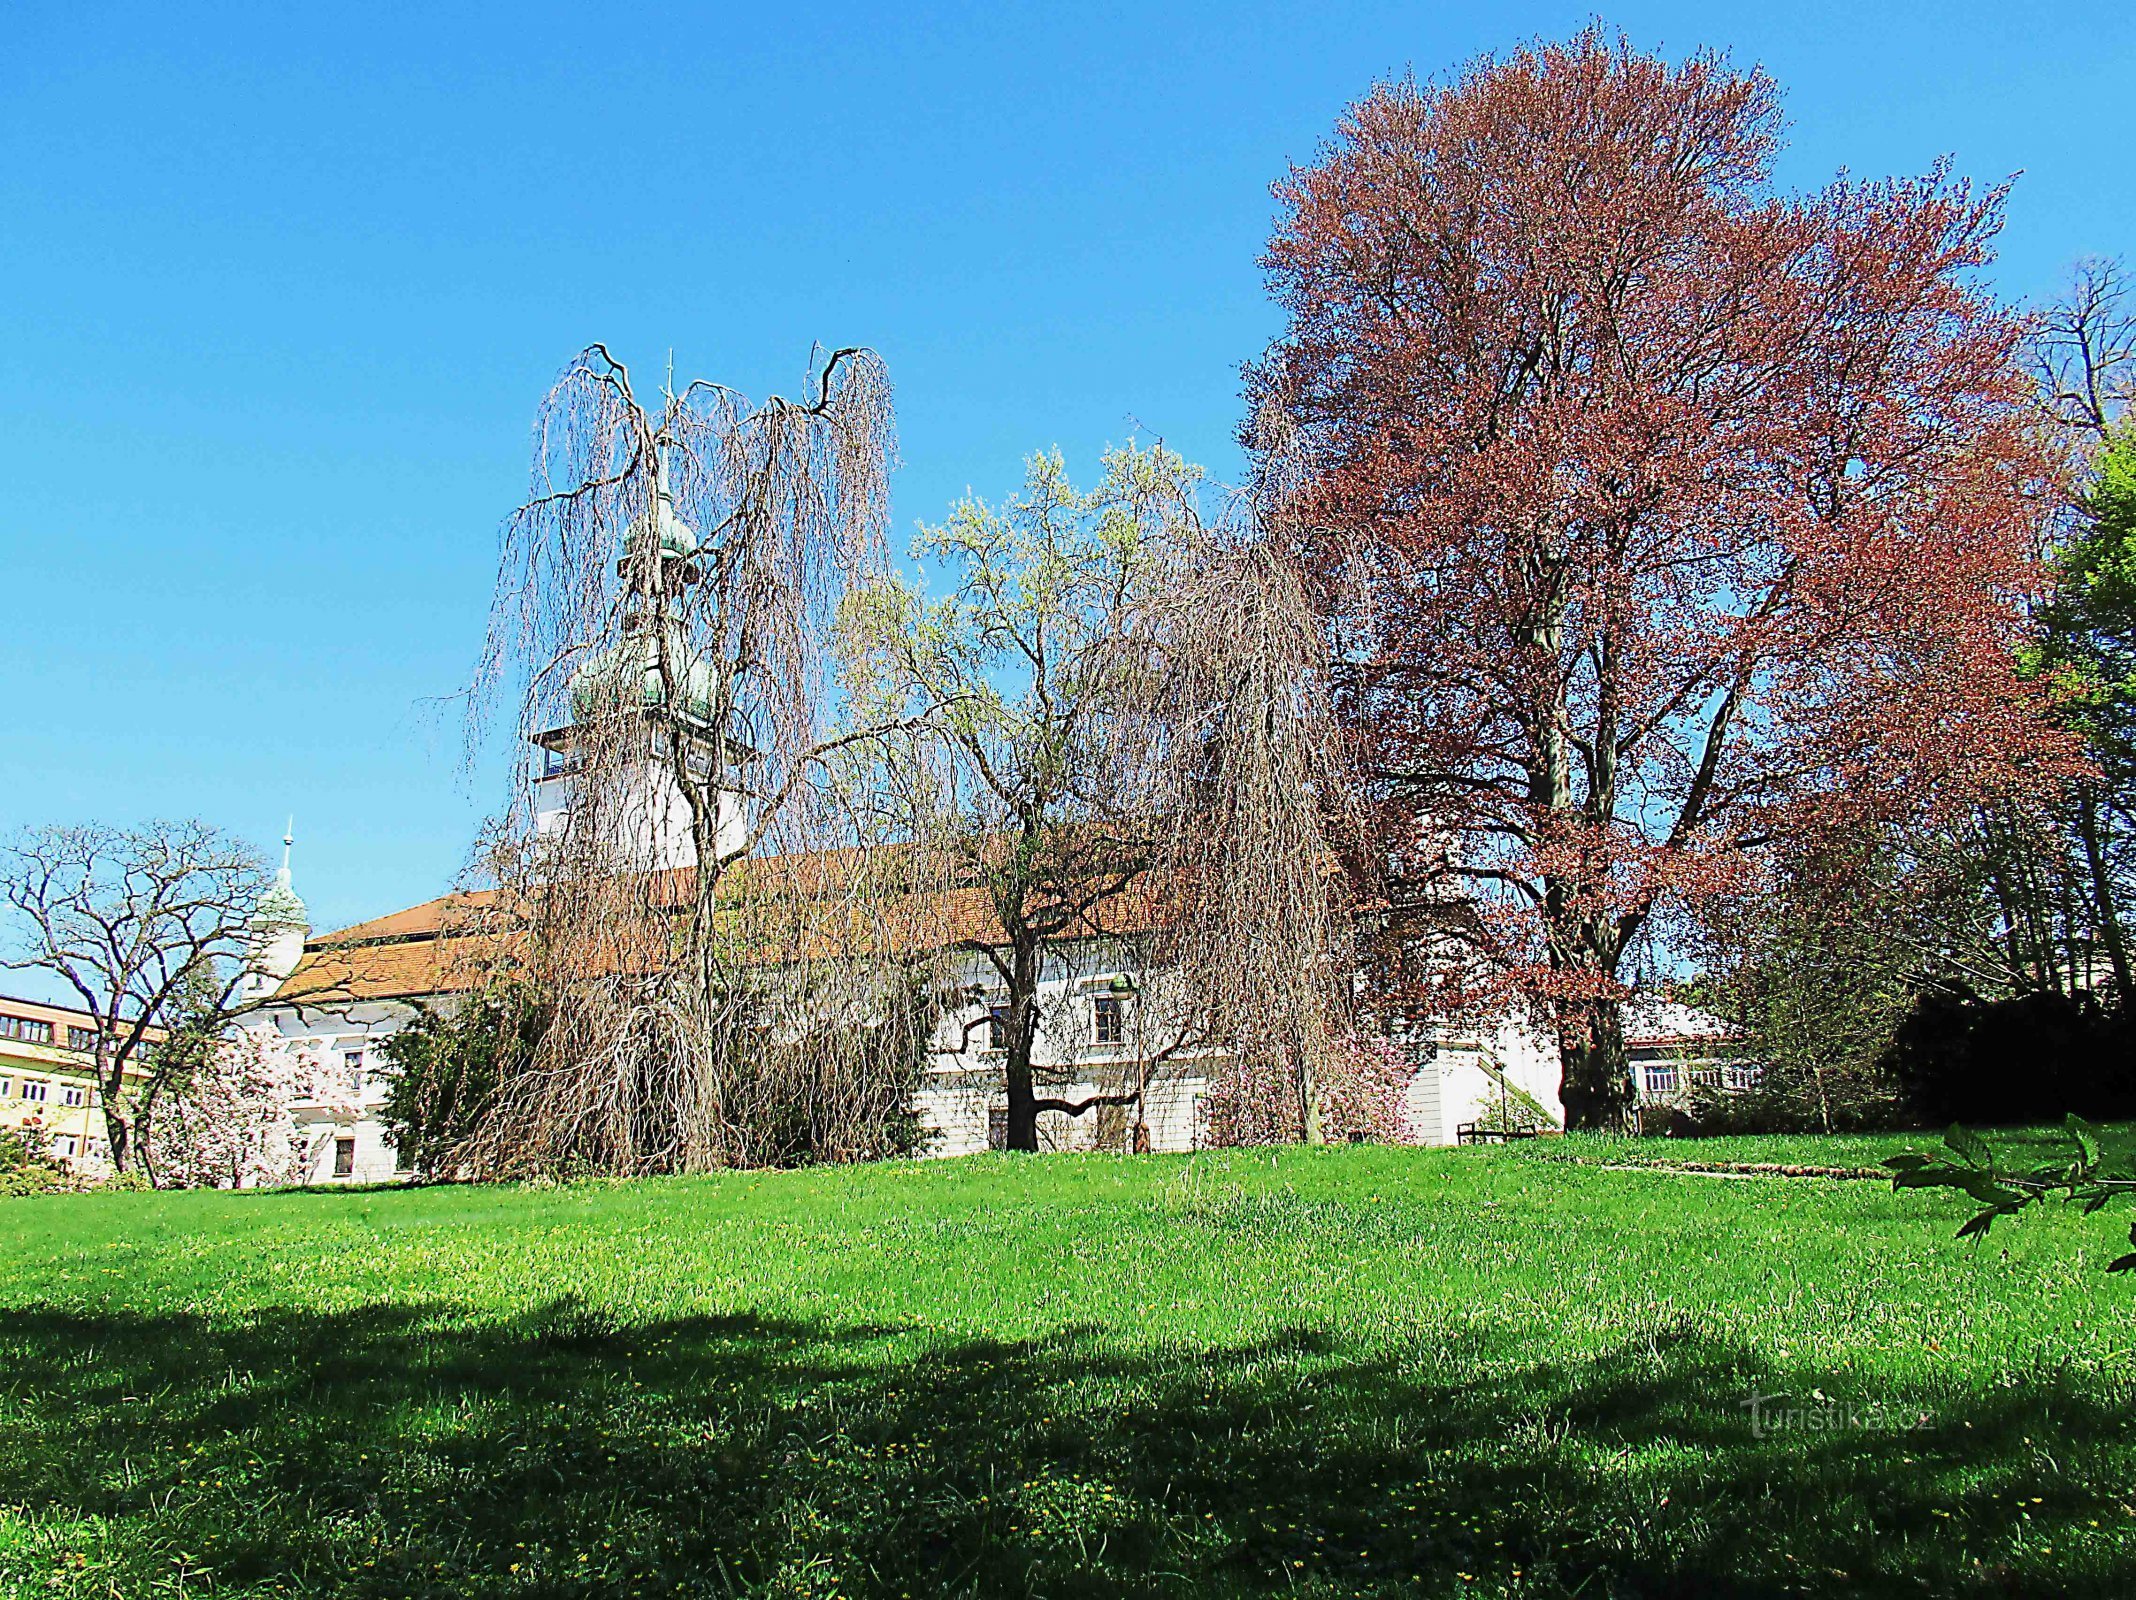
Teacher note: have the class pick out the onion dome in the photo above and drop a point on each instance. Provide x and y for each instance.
(627, 673)
(676, 539)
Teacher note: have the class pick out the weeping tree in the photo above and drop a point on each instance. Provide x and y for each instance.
(1259, 856)
(732, 975)
(1264, 933)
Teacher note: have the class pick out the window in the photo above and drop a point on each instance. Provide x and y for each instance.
(1109, 1019)
(82, 1039)
(30, 1030)
(997, 1128)
(1661, 1079)
(7, 1089)
(997, 1027)
(352, 1063)
(33, 1090)
(345, 1158)
(66, 1145)
(73, 1094)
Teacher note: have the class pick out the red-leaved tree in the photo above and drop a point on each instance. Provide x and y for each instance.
(1685, 517)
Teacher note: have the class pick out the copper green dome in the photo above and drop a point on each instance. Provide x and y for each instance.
(628, 672)
(678, 541)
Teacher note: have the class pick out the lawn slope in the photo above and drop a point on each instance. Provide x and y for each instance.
(1355, 1372)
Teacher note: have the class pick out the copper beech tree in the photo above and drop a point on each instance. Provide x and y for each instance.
(1683, 517)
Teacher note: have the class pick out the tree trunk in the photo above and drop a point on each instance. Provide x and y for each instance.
(2102, 882)
(118, 1135)
(1309, 1118)
(1596, 1085)
(1023, 1030)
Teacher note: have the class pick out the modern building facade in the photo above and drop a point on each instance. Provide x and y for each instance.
(48, 1081)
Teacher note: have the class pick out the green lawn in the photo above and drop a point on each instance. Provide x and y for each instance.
(1355, 1372)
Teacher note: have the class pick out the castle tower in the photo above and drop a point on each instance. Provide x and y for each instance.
(647, 821)
(277, 933)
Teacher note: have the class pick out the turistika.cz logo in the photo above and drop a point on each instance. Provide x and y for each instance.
(1820, 1413)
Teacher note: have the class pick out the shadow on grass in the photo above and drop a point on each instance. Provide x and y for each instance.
(418, 1451)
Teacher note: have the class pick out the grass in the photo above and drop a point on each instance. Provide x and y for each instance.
(1341, 1372)
(2016, 1149)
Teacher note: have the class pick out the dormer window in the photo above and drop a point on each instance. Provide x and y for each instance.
(1108, 1017)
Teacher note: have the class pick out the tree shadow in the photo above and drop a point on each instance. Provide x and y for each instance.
(429, 1450)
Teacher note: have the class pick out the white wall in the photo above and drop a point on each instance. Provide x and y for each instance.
(650, 827)
(964, 1086)
(1452, 1088)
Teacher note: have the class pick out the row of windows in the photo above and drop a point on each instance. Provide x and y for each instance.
(1667, 1077)
(30, 1030)
(1108, 1022)
(35, 1030)
(38, 1091)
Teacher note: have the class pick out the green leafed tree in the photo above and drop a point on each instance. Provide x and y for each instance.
(2090, 644)
(1033, 775)
(443, 1071)
(1130, 759)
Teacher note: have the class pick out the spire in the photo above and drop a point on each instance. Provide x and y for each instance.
(279, 907)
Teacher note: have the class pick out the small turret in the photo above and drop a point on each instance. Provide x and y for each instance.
(279, 926)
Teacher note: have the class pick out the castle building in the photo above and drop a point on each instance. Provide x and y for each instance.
(334, 999)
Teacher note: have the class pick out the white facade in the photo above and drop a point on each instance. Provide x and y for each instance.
(1102, 1032)
(1469, 1076)
(344, 1140)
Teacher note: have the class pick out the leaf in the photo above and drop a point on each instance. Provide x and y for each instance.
(1969, 1147)
(1984, 1187)
(1979, 1226)
(1909, 1161)
(2087, 1138)
(2122, 1264)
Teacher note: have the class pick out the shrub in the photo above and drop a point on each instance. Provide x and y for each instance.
(2030, 1058)
(444, 1068)
(27, 1165)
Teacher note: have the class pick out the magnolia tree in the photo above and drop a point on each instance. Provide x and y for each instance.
(226, 1117)
(1688, 517)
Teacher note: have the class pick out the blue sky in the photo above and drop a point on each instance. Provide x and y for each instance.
(283, 285)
